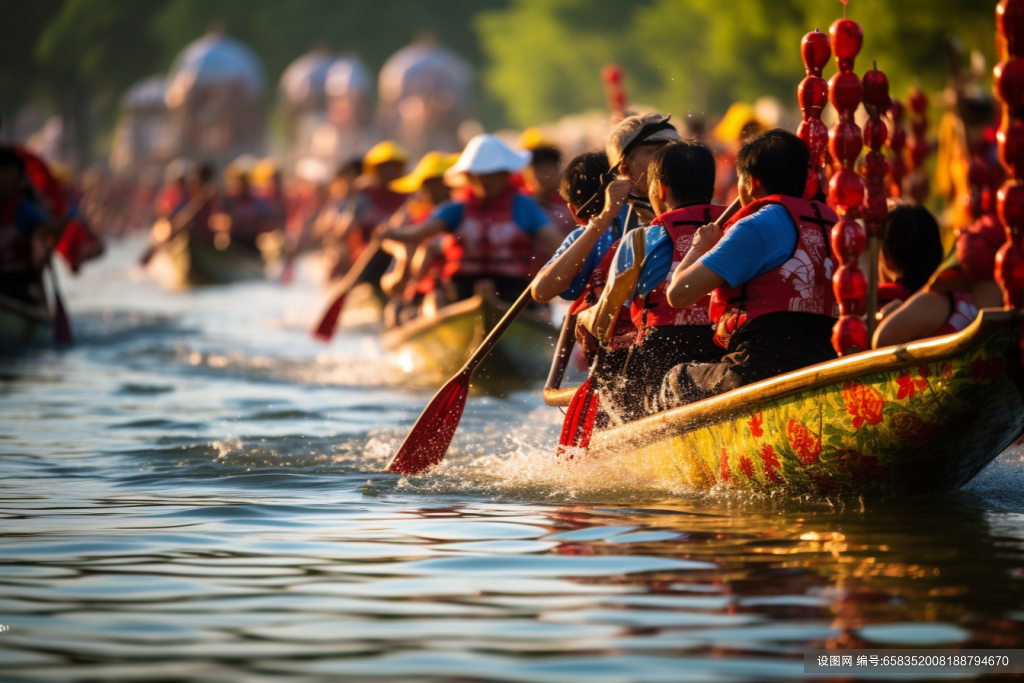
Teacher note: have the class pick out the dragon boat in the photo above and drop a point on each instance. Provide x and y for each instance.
(924, 417)
(187, 262)
(23, 325)
(430, 349)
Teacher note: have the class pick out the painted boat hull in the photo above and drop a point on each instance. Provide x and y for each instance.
(23, 326)
(188, 263)
(914, 419)
(429, 352)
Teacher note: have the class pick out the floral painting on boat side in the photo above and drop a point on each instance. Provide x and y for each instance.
(926, 428)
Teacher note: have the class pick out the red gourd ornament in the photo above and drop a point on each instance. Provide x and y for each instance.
(614, 91)
(919, 146)
(898, 148)
(1009, 86)
(847, 191)
(812, 94)
(875, 170)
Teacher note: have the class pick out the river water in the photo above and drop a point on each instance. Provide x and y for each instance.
(196, 491)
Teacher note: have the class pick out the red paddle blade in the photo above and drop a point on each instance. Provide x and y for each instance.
(61, 324)
(579, 420)
(432, 434)
(325, 330)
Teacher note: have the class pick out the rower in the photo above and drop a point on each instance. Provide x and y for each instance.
(22, 224)
(768, 272)
(949, 302)
(911, 251)
(496, 228)
(241, 216)
(579, 269)
(569, 271)
(541, 178)
(341, 194)
(681, 184)
(416, 272)
(373, 205)
(632, 144)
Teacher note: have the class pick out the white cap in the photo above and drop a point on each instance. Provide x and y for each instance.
(486, 154)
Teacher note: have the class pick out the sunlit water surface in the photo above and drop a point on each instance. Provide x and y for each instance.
(196, 492)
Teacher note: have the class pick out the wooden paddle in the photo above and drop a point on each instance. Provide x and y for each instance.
(61, 322)
(578, 426)
(324, 331)
(180, 221)
(430, 437)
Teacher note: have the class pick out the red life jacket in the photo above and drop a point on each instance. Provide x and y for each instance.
(15, 248)
(48, 188)
(382, 204)
(592, 292)
(962, 313)
(78, 243)
(654, 309)
(891, 291)
(490, 241)
(803, 283)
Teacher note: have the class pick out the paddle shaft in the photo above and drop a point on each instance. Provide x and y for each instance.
(181, 220)
(355, 272)
(563, 352)
(61, 323)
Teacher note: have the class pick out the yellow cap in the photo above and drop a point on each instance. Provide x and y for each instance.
(432, 165)
(384, 152)
(534, 138)
(264, 171)
(735, 120)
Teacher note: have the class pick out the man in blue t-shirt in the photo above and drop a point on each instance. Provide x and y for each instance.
(771, 278)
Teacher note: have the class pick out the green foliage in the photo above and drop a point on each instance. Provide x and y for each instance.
(98, 44)
(701, 55)
(106, 45)
(541, 57)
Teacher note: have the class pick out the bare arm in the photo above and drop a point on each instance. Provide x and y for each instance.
(418, 233)
(692, 280)
(691, 285)
(919, 317)
(554, 278)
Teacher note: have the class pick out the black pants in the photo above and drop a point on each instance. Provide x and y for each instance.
(505, 288)
(767, 346)
(634, 392)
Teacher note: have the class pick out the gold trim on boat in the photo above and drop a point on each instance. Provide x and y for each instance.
(736, 402)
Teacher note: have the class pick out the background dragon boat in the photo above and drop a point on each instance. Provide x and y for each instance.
(185, 262)
(919, 418)
(23, 325)
(429, 350)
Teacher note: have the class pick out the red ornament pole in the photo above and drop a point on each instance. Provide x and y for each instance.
(876, 168)
(920, 148)
(614, 91)
(813, 96)
(1009, 82)
(846, 192)
(898, 145)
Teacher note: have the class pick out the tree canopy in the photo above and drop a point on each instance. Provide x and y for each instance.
(699, 56)
(538, 59)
